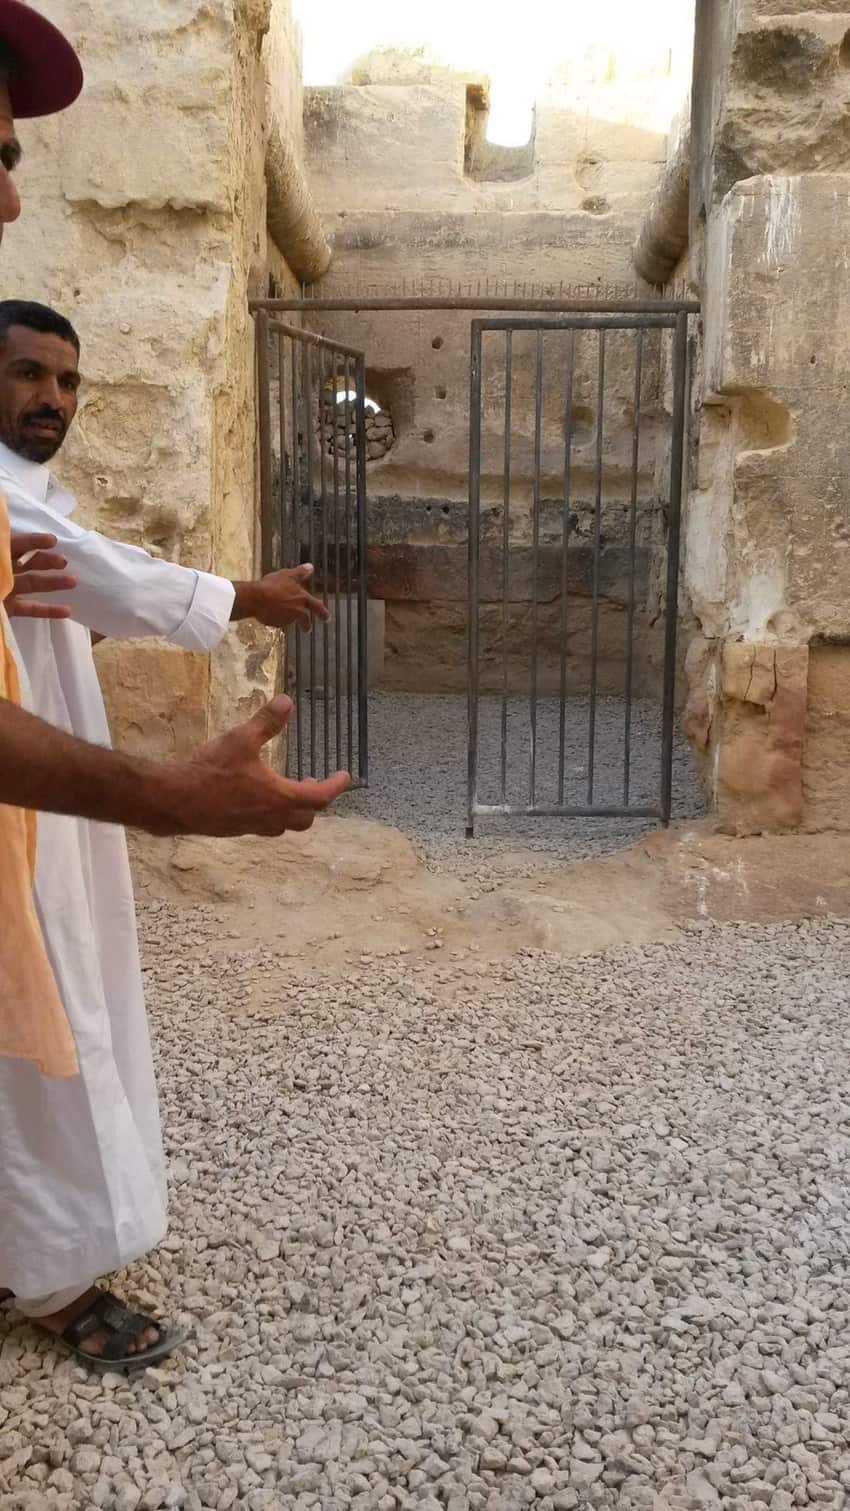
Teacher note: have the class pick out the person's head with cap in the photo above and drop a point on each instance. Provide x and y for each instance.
(39, 74)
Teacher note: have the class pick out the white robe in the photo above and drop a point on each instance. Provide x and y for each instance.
(82, 1178)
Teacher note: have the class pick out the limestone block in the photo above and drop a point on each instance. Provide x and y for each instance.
(777, 294)
(152, 125)
(156, 697)
(379, 145)
(94, 30)
(746, 714)
(826, 770)
(622, 141)
(426, 648)
(439, 573)
(777, 286)
(785, 100)
(698, 712)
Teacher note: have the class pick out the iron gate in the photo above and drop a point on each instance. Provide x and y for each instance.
(560, 734)
(312, 444)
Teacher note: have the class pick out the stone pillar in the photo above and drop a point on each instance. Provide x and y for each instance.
(767, 550)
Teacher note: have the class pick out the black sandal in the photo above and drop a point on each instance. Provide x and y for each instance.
(108, 1314)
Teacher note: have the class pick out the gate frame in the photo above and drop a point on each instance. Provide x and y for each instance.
(570, 301)
(661, 315)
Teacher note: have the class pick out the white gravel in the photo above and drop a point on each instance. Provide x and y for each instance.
(418, 759)
(461, 1235)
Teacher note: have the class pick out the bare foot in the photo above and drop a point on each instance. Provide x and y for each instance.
(95, 1343)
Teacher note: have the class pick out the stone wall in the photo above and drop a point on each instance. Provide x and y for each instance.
(398, 168)
(767, 563)
(146, 225)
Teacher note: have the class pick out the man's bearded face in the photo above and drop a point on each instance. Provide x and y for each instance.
(39, 380)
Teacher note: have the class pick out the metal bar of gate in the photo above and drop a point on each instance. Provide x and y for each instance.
(337, 648)
(295, 549)
(677, 455)
(362, 596)
(281, 542)
(506, 540)
(474, 528)
(630, 623)
(349, 638)
(307, 402)
(597, 548)
(535, 559)
(482, 302)
(323, 492)
(265, 442)
(565, 545)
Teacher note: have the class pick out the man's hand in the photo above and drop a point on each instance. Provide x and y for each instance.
(228, 789)
(280, 599)
(38, 569)
(225, 789)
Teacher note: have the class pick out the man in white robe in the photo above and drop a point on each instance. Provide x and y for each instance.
(82, 1179)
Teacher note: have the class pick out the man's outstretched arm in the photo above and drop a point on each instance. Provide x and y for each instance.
(225, 789)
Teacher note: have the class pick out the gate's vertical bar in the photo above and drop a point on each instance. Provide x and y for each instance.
(597, 550)
(677, 452)
(506, 548)
(307, 398)
(474, 524)
(280, 554)
(337, 647)
(565, 544)
(281, 532)
(630, 630)
(323, 489)
(362, 584)
(261, 333)
(535, 554)
(350, 441)
(296, 556)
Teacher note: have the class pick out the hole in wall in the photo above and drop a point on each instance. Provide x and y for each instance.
(595, 205)
(441, 393)
(389, 412)
(428, 435)
(341, 425)
(437, 343)
(485, 156)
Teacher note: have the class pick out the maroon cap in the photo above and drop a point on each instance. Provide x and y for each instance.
(47, 75)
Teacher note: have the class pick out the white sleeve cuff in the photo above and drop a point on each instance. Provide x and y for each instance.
(208, 616)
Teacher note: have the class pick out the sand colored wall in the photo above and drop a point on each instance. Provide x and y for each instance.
(146, 225)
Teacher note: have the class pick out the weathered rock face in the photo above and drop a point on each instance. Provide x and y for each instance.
(145, 224)
(747, 714)
(767, 562)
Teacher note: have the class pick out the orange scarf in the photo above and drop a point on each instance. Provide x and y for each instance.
(33, 1022)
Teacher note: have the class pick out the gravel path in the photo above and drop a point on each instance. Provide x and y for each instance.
(417, 750)
(481, 1237)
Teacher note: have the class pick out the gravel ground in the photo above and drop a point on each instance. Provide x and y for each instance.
(479, 1237)
(417, 751)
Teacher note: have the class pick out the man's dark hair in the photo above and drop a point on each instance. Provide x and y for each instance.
(35, 317)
